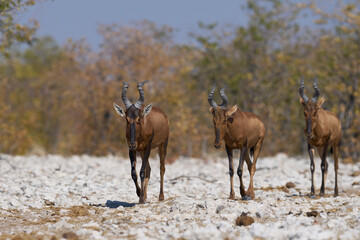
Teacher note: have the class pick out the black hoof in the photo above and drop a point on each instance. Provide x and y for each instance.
(246, 198)
(161, 197)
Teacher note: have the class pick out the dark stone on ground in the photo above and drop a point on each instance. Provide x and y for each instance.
(290, 185)
(219, 208)
(244, 220)
(49, 203)
(70, 235)
(312, 214)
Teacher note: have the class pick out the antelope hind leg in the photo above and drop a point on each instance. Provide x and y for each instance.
(336, 167)
(250, 192)
(324, 168)
(240, 171)
(162, 155)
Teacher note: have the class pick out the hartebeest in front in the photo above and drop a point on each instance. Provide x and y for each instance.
(146, 128)
(323, 129)
(239, 130)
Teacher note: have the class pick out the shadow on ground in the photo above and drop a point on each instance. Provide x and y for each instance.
(116, 204)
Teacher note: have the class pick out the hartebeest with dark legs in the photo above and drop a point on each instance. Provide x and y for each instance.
(323, 129)
(240, 130)
(146, 128)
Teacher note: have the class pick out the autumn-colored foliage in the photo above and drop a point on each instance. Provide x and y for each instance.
(59, 99)
(10, 30)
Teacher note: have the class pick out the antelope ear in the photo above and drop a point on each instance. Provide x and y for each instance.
(320, 102)
(231, 111)
(211, 109)
(119, 110)
(303, 103)
(147, 110)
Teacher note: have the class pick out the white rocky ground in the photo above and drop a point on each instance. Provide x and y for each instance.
(85, 197)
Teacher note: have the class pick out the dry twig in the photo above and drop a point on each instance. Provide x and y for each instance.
(189, 177)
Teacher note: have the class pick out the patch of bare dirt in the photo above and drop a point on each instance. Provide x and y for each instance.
(28, 236)
(280, 188)
(40, 218)
(78, 211)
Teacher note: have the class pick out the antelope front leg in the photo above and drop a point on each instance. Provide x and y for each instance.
(240, 170)
(231, 172)
(132, 155)
(144, 174)
(324, 168)
(311, 151)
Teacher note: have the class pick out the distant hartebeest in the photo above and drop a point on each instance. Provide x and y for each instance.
(240, 130)
(146, 128)
(323, 129)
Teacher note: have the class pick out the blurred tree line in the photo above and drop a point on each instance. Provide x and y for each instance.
(59, 99)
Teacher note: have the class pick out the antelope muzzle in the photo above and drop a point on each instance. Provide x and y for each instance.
(132, 143)
(217, 143)
(308, 130)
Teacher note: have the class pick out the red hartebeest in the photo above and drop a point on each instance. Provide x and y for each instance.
(240, 130)
(146, 128)
(323, 129)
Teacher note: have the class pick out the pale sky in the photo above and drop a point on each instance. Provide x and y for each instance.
(63, 19)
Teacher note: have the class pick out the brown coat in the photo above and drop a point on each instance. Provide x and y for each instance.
(327, 128)
(155, 128)
(245, 125)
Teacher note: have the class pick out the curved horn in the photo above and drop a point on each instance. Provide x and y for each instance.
(224, 98)
(211, 101)
(124, 97)
(301, 90)
(140, 102)
(317, 91)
